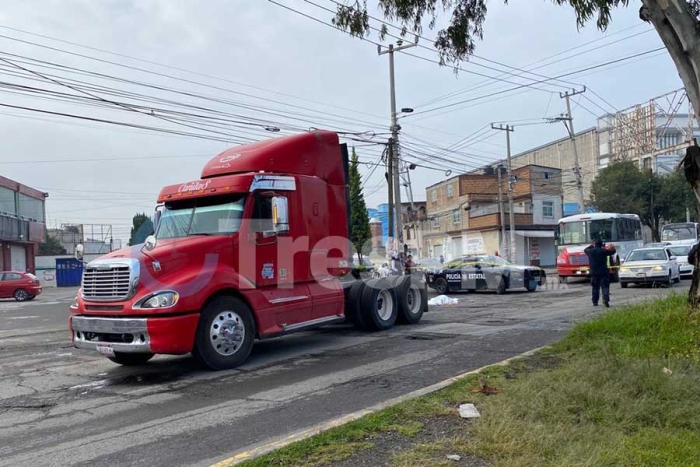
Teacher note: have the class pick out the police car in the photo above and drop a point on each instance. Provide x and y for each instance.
(482, 272)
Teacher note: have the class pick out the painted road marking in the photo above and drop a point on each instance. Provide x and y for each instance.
(24, 317)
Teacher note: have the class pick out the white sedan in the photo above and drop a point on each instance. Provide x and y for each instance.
(650, 266)
(681, 254)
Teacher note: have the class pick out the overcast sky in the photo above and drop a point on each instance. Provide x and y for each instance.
(272, 67)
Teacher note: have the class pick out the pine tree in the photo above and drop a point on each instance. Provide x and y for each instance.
(360, 231)
(142, 228)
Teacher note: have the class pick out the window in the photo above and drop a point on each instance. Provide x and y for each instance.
(433, 196)
(546, 175)
(262, 215)
(456, 216)
(408, 234)
(450, 190)
(7, 201)
(31, 207)
(436, 222)
(12, 277)
(548, 209)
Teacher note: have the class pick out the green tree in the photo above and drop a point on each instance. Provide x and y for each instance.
(677, 196)
(51, 247)
(675, 21)
(359, 222)
(623, 187)
(142, 228)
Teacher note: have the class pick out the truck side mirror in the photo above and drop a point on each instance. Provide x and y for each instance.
(79, 251)
(280, 214)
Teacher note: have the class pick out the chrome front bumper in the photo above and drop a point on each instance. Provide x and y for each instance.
(127, 335)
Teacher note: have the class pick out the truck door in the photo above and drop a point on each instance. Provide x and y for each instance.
(292, 301)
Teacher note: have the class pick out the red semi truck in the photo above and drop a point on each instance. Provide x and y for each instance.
(256, 248)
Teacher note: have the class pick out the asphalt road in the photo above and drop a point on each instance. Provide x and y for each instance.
(62, 406)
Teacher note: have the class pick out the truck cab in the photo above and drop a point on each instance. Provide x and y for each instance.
(253, 249)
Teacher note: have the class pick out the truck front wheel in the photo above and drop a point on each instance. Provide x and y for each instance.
(131, 359)
(225, 334)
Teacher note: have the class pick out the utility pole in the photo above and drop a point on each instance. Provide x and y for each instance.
(511, 215)
(390, 182)
(572, 135)
(394, 141)
(500, 208)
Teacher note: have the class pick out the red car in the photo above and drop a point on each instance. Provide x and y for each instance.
(19, 285)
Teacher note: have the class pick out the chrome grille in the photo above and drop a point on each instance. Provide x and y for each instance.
(110, 280)
(640, 269)
(578, 260)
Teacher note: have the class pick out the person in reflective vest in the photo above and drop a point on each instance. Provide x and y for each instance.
(599, 260)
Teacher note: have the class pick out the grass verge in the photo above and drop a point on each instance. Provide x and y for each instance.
(623, 389)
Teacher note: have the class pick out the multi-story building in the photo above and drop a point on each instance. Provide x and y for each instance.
(22, 225)
(465, 217)
(413, 218)
(559, 154)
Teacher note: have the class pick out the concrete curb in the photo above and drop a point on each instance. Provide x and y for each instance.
(265, 448)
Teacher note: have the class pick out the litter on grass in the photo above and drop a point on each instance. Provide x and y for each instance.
(454, 457)
(468, 411)
(442, 300)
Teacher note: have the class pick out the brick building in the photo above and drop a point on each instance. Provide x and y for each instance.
(464, 215)
(22, 225)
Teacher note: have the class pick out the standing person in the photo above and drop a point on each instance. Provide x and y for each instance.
(598, 254)
(395, 265)
(442, 259)
(409, 265)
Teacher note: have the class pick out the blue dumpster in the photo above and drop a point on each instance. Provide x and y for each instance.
(69, 272)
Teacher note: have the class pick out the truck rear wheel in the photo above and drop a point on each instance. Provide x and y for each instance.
(353, 304)
(225, 334)
(412, 299)
(131, 359)
(379, 307)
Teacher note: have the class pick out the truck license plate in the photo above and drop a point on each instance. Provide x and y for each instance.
(105, 349)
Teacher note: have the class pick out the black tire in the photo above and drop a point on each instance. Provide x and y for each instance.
(624, 285)
(379, 307)
(131, 359)
(21, 295)
(353, 302)
(502, 286)
(669, 281)
(441, 286)
(531, 288)
(677, 280)
(31, 297)
(222, 315)
(412, 299)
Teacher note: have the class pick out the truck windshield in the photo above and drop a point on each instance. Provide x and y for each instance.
(673, 232)
(219, 215)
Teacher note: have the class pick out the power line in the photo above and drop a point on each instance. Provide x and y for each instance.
(621, 59)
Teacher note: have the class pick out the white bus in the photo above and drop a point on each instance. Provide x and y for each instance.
(575, 233)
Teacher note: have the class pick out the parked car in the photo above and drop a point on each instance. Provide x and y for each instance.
(19, 285)
(681, 254)
(653, 266)
(483, 272)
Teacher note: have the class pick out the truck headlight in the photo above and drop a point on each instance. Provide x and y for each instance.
(159, 300)
(74, 305)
